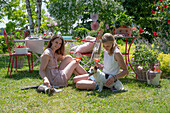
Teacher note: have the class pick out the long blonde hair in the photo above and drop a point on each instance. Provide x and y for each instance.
(108, 37)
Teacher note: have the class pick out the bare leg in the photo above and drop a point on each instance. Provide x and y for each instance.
(80, 77)
(86, 84)
(65, 62)
(69, 66)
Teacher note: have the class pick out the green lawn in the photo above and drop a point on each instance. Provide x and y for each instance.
(140, 97)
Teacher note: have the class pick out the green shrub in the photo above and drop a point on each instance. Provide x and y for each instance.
(165, 64)
(3, 46)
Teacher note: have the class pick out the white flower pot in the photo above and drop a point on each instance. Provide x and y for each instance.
(153, 77)
(21, 50)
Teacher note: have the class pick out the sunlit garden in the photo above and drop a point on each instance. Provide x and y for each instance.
(142, 26)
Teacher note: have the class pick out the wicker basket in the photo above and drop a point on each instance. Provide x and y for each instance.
(141, 74)
(20, 63)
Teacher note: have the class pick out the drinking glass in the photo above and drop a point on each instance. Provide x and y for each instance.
(78, 56)
(96, 57)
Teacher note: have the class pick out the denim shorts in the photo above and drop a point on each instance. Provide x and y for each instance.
(93, 79)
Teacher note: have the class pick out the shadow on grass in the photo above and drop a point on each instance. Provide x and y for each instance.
(141, 84)
(105, 92)
(24, 74)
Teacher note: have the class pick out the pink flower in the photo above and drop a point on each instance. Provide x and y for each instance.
(107, 26)
(46, 21)
(133, 29)
(94, 17)
(94, 25)
(55, 23)
(49, 25)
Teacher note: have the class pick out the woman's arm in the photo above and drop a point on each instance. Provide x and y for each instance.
(121, 62)
(44, 61)
(119, 58)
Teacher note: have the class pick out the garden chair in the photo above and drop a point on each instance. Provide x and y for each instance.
(88, 56)
(13, 56)
(18, 35)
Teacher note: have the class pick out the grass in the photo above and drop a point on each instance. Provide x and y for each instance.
(140, 97)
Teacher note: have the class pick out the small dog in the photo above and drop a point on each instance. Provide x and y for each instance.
(101, 78)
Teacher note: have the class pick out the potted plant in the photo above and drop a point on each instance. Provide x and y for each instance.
(122, 24)
(144, 58)
(122, 20)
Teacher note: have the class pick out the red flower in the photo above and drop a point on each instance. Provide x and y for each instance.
(160, 1)
(152, 12)
(21, 46)
(140, 30)
(165, 5)
(155, 34)
(159, 7)
(169, 21)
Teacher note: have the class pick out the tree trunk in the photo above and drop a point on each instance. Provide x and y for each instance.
(30, 16)
(39, 4)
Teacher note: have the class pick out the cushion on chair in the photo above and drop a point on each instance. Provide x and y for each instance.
(85, 48)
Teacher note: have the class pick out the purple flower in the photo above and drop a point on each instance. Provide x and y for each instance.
(132, 59)
(80, 16)
(94, 17)
(94, 25)
(46, 21)
(107, 26)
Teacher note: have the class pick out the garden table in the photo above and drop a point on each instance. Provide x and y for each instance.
(127, 51)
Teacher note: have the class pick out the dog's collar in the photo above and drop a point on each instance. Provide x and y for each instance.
(107, 75)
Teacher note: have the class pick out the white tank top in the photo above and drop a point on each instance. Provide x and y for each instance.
(110, 65)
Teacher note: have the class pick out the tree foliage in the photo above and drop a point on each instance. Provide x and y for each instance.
(68, 11)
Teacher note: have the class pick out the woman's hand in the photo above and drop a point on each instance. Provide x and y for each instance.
(110, 81)
(46, 81)
(60, 57)
(98, 65)
(77, 60)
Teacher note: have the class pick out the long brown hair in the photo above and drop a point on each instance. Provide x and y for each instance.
(108, 37)
(61, 50)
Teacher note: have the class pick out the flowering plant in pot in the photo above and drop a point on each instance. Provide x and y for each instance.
(144, 58)
(122, 20)
(122, 24)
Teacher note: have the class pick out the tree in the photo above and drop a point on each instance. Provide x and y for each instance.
(30, 16)
(39, 4)
(68, 11)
